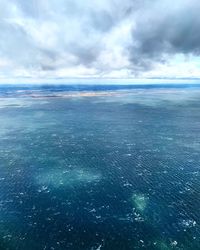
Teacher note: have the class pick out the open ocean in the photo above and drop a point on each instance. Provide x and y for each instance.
(99, 167)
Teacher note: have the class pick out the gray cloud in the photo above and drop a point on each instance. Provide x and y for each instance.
(164, 28)
(59, 38)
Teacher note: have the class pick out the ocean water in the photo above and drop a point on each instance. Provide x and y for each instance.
(116, 171)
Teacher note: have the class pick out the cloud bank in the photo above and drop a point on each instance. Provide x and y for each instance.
(62, 39)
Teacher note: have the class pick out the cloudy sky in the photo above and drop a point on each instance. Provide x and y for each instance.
(59, 40)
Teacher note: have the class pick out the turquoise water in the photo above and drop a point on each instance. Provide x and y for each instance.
(106, 172)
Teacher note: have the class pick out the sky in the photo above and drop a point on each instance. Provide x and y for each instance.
(99, 40)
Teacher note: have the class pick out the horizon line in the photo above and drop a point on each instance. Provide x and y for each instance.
(97, 80)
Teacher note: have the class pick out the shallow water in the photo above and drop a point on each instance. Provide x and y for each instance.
(111, 172)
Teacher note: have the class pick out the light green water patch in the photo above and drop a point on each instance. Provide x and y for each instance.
(192, 145)
(69, 178)
(140, 201)
(20, 102)
(161, 245)
(24, 122)
(153, 97)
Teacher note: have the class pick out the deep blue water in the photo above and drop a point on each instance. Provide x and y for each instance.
(7, 90)
(114, 172)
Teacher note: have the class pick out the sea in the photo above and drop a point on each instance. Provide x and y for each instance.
(100, 167)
